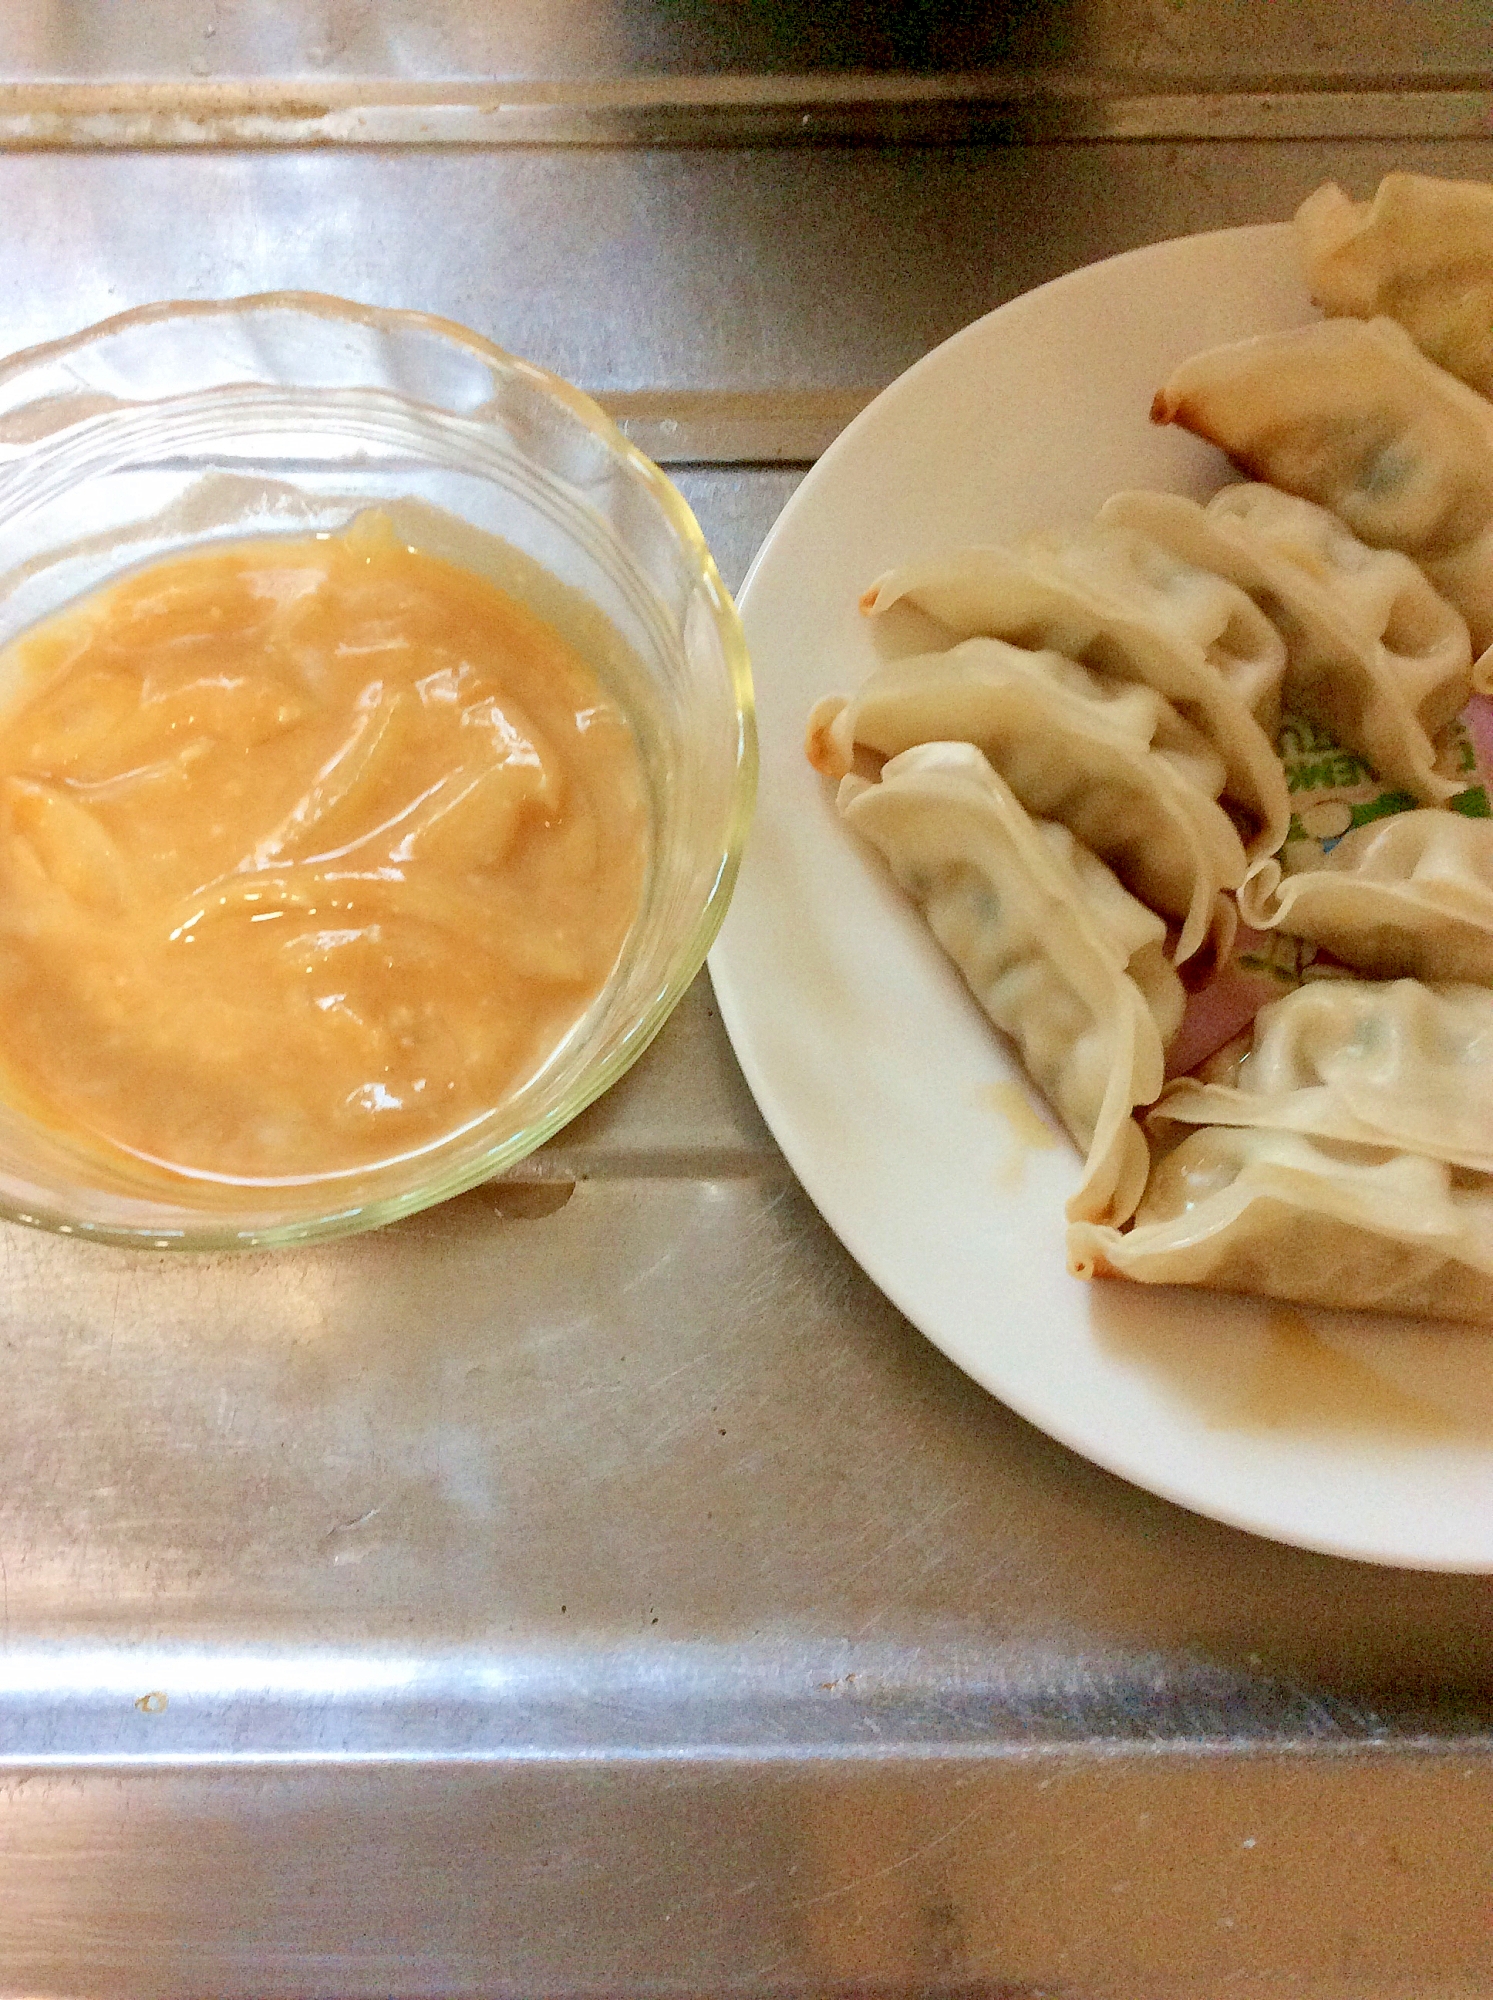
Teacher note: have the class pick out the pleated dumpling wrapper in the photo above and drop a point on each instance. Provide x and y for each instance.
(1351, 414)
(1111, 759)
(1123, 606)
(1375, 654)
(1314, 1221)
(1372, 1062)
(1060, 955)
(1407, 896)
(1421, 252)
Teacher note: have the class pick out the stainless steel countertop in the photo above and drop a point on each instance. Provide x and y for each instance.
(594, 1586)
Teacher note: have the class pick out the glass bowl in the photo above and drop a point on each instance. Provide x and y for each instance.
(183, 424)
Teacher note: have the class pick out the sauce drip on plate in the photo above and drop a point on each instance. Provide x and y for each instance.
(311, 852)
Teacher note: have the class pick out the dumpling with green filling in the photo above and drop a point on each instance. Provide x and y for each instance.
(1375, 1062)
(1111, 759)
(1056, 951)
(1125, 607)
(1351, 414)
(1374, 654)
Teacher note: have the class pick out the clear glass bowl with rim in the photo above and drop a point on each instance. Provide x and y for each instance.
(181, 424)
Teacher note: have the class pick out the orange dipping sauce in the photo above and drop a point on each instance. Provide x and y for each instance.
(311, 852)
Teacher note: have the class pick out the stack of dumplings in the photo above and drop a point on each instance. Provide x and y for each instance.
(1080, 790)
(1381, 411)
(1347, 1160)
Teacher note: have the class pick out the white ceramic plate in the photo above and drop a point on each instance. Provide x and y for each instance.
(882, 1081)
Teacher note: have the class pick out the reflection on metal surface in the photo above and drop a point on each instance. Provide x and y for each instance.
(661, 1445)
(1104, 1872)
(681, 1112)
(1216, 44)
(723, 111)
(623, 1702)
(726, 427)
(710, 273)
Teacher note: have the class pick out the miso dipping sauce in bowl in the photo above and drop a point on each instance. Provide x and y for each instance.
(376, 754)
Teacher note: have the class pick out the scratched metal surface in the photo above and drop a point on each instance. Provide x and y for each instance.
(594, 1586)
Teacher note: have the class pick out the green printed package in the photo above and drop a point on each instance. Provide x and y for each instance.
(1333, 790)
